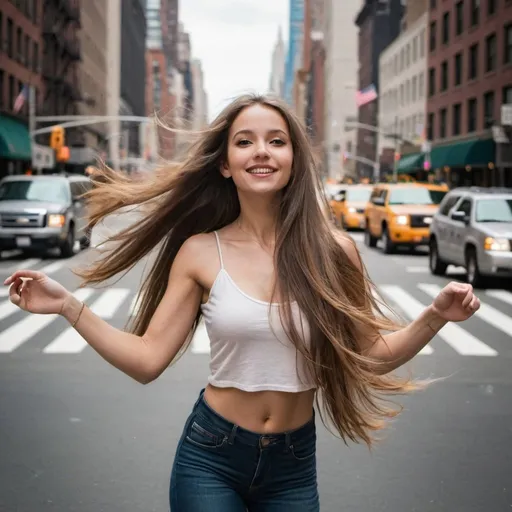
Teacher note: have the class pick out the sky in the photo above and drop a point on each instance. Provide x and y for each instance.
(234, 40)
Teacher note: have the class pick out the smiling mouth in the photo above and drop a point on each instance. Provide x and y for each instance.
(261, 170)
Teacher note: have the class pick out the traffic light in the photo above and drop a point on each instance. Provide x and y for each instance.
(57, 138)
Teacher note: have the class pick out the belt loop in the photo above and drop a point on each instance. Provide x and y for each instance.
(287, 441)
(232, 436)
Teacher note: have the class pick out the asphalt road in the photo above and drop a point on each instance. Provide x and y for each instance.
(76, 435)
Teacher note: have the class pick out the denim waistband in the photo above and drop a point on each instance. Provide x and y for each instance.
(247, 437)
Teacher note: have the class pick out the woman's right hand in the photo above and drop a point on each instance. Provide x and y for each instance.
(35, 292)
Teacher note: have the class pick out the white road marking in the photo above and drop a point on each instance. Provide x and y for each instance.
(502, 295)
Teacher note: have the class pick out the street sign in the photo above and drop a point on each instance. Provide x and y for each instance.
(43, 157)
(506, 114)
(499, 135)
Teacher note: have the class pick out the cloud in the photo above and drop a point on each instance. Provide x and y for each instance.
(234, 40)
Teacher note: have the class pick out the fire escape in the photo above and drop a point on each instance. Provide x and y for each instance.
(61, 59)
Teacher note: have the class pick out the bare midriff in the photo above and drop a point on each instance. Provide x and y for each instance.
(263, 412)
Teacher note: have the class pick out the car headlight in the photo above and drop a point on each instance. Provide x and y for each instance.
(496, 244)
(352, 210)
(402, 220)
(56, 221)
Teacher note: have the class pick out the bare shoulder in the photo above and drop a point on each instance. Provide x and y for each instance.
(349, 247)
(197, 253)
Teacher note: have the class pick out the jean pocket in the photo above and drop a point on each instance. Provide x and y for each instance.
(203, 437)
(304, 449)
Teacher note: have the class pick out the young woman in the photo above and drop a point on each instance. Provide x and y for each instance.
(244, 243)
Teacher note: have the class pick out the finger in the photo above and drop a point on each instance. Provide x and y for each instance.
(474, 305)
(467, 299)
(30, 274)
(14, 292)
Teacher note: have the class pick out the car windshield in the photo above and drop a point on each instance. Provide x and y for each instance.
(54, 191)
(494, 210)
(416, 196)
(358, 194)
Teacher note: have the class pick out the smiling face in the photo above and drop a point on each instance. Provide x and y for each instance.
(260, 153)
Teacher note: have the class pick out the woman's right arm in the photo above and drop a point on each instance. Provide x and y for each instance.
(145, 357)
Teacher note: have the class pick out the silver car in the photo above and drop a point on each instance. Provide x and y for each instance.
(42, 212)
(473, 229)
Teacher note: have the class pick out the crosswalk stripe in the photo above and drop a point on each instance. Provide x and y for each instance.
(22, 331)
(53, 267)
(486, 313)
(24, 264)
(7, 308)
(502, 295)
(70, 341)
(459, 339)
(4, 291)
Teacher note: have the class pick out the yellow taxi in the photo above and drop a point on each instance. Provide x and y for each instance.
(348, 205)
(400, 214)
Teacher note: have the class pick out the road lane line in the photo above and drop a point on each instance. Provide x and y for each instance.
(502, 295)
(406, 303)
(70, 341)
(487, 313)
(22, 331)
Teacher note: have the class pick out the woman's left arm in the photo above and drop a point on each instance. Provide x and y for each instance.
(456, 302)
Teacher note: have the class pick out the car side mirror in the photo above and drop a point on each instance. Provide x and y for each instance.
(339, 198)
(460, 217)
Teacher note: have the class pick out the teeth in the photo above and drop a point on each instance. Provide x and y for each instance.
(261, 171)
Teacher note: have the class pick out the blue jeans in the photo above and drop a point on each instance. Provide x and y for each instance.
(221, 467)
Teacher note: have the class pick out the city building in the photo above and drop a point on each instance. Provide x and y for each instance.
(403, 101)
(21, 44)
(294, 53)
(469, 79)
(276, 84)
(200, 105)
(379, 23)
(341, 81)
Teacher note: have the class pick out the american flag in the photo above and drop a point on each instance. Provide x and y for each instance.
(20, 100)
(366, 95)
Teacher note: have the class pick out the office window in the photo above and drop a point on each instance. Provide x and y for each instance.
(507, 51)
(430, 126)
(459, 17)
(488, 109)
(456, 118)
(408, 56)
(490, 53)
(472, 115)
(475, 12)
(473, 62)
(446, 27)
(421, 87)
(414, 88)
(415, 49)
(491, 7)
(444, 75)
(432, 34)
(10, 38)
(442, 123)
(19, 44)
(457, 68)
(431, 81)
(507, 95)
(27, 51)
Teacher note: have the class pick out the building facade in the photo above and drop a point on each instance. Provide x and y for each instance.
(402, 78)
(21, 44)
(469, 78)
(276, 85)
(379, 25)
(200, 106)
(341, 68)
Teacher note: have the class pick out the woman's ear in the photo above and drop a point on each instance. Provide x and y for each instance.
(224, 170)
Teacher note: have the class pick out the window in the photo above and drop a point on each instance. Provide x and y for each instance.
(415, 49)
(19, 49)
(491, 7)
(475, 12)
(26, 56)
(430, 126)
(431, 81)
(490, 53)
(446, 27)
(471, 115)
(1, 88)
(10, 36)
(458, 69)
(432, 33)
(444, 75)
(433, 4)
(488, 109)
(473, 62)
(459, 17)
(422, 43)
(494, 210)
(416, 196)
(35, 190)
(465, 206)
(421, 88)
(507, 51)
(456, 118)
(414, 88)
(35, 57)
(442, 123)
(448, 204)
(507, 95)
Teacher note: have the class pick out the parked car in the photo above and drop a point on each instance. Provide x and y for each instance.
(40, 212)
(473, 229)
(400, 214)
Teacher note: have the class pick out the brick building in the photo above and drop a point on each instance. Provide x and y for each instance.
(469, 77)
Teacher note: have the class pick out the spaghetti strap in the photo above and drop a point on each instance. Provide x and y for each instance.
(219, 249)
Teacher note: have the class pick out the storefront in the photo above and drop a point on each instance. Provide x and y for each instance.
(15, 149)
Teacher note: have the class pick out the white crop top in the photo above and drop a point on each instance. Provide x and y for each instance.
(245, 353)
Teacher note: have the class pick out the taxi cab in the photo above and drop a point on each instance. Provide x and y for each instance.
(348, 206)
(400, 214)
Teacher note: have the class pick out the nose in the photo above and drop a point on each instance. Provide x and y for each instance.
(261, 151)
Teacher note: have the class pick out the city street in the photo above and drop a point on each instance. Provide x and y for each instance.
(77, 435)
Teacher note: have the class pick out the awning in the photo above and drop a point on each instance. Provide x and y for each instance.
(410, 163)
(475, 152)
(14, 140)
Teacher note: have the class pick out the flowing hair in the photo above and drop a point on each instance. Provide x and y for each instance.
(182, 200)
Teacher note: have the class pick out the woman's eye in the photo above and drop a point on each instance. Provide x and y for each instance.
(243, 142)
(278, 141)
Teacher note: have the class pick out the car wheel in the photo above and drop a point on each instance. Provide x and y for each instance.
(369, 239)
(67, 249)
(386, 241)
(474, 277)
(437, 266)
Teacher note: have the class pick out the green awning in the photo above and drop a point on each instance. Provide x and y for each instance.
(476, 152)
(410, 163)
(14, 140)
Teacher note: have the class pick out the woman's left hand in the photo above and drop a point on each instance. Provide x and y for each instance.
(456, 302)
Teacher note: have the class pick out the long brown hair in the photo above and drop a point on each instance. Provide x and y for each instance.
(181, 200)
